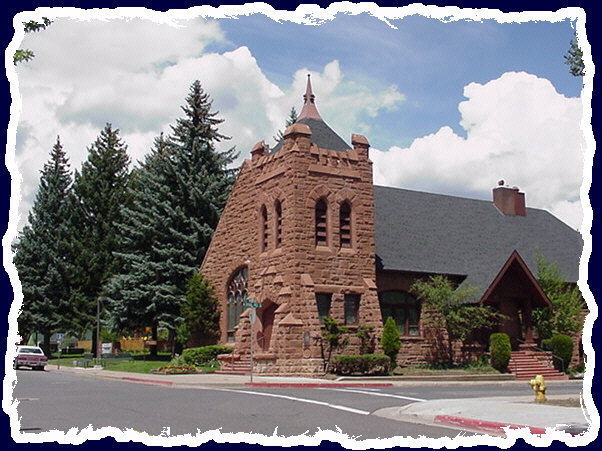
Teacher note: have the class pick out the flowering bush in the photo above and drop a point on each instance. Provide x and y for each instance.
(182, 369)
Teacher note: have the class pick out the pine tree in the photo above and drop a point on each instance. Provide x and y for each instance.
(292, 118)
(42, 254)
(98, 193)
(574, 59)
(200, 312)
(174, 205)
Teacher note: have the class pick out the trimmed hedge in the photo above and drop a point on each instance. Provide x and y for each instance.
(561, 346)
(375, 364)
(204, 354)
(500, 349)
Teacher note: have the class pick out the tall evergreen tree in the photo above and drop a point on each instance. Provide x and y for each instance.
(574, 59)
(292, 118)
(99, 190)
(174, 205)
(42, 254)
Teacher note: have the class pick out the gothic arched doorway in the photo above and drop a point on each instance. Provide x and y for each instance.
(267, 323)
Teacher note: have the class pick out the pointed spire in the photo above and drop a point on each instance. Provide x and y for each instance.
(309, 107)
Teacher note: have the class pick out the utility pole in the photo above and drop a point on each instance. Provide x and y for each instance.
(98, 344)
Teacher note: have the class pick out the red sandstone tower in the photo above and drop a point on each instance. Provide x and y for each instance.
(297, 235)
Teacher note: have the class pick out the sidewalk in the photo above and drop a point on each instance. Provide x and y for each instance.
(491, 415)
(485, 415)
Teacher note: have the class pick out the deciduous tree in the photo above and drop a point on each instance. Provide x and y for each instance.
(32, 25)
(452, 309)
(565, 316)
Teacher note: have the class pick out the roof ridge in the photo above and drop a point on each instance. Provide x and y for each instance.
(453, 196)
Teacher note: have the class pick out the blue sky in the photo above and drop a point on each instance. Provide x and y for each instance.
(429, 60)
(448, 107)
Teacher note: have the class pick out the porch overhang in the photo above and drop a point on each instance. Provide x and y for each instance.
(515, 268)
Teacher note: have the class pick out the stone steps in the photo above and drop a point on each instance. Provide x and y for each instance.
(241, 366)
(527, 364)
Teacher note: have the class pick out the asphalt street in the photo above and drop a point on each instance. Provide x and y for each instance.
(61, 400)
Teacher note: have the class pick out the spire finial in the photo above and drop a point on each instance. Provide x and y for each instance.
(309, 95)
(309, 108)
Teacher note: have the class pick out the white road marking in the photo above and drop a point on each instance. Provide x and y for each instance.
(292, 398)
(28, 399)
(387, 395)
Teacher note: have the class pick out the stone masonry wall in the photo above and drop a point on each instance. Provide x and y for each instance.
(290, 275)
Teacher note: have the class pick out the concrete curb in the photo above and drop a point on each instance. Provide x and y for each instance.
(442, 378)
(489, 427)
(146, 381)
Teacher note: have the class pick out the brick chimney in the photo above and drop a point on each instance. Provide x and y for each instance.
(509, 201)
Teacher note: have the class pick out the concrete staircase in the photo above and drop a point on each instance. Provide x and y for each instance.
(526, 364)
(240, 365)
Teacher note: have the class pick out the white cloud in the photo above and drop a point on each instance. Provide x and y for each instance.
(136, 74)
(518, 129)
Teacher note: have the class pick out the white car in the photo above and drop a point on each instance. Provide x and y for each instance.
(30, 356)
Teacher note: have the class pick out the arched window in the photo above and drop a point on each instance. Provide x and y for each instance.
(264, 228)
(345, 224)
(321, 223)
(237, 295)
(403, 308)
(278, 211)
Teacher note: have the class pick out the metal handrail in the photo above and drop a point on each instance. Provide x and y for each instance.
(554, 356)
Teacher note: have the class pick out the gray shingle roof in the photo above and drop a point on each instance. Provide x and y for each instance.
(433, 233)
(321, 135)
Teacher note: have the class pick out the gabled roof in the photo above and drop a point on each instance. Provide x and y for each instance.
(517, 263)
(434, 233)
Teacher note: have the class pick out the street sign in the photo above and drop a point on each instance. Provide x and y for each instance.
(59, 338)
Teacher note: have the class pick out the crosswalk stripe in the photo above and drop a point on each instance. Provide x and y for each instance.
(387, 395)
(308, 401)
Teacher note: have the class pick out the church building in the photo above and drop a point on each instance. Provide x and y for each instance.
(305, 234)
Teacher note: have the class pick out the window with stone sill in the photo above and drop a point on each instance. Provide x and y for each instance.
(323, 301)
(352, 307)
(404, 309)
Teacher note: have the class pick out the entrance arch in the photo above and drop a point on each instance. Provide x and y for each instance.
(266, 317)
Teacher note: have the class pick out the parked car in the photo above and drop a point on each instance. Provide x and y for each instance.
(31, 356)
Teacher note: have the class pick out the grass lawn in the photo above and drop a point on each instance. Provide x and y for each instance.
(140, 364)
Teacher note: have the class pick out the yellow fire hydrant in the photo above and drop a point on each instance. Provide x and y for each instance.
(539, 387)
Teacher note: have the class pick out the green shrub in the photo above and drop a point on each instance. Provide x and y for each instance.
(390, 341)
(204, 354)
(374, 364)
(561, 346)
(499, 348)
